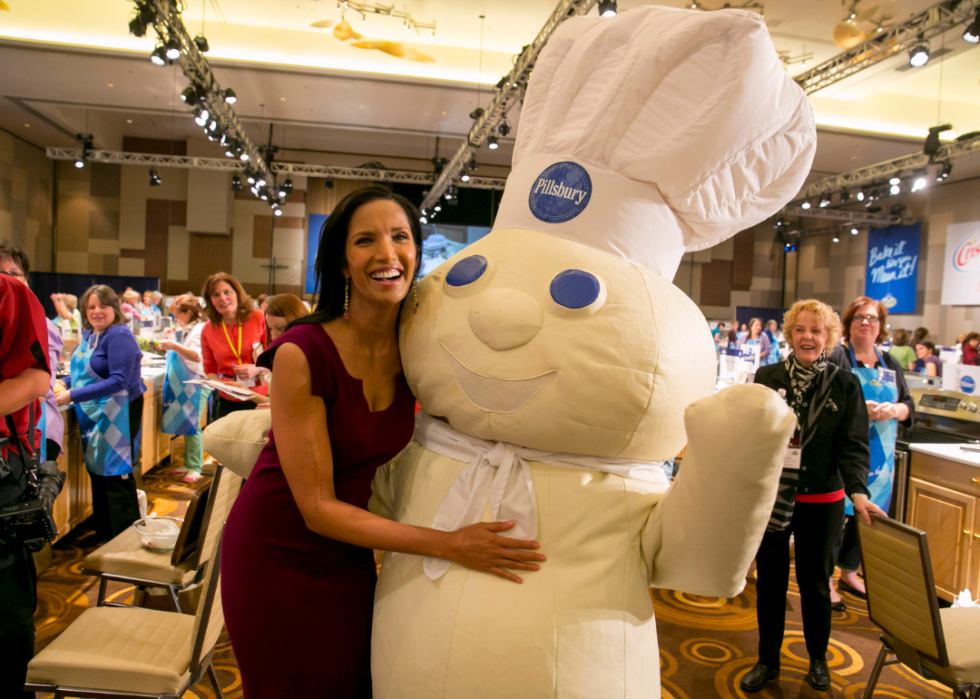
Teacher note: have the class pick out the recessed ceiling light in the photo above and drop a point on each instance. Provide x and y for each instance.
(129, 121)
(27, 126)
(282, 99)
(444, 114)
(110, 84)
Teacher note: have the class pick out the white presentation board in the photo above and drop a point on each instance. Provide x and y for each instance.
(961, 268)
(962, 378)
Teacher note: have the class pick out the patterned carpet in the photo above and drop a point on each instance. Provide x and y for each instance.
(707, 644)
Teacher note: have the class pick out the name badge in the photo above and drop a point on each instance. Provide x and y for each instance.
(886, 376)
(794, 454)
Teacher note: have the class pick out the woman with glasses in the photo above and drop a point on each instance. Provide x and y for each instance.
(889, 402)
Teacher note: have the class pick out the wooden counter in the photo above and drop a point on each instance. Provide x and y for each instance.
(74, 504)
(944, 502)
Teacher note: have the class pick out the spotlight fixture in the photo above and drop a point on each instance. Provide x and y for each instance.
(476, 113)
(845, 196)
(931, 146)
(189, 95)
(86, 149)
(438, 208)
(327, 185)
(895, 180)
(945, 172)
(472, 164)
(79, 163)
(236, 184)
(465, 177)
(895, 189)
(971, 34)
(213, 125)
(854, 231)
(860, 196)
(173, 50)
(607, 8)
(260, 183)
(423, 220)
(824, 201)
(836, 239)
(875, 194)
(492, 142)
(249, 176)
(201, 116)
(202, 43)
(243, 156)
(919, 181)
(503, 129)
(919, 55)
(159, 56)
(805, 205)
(277, 212)
(155, 180)
(287, 187)
(230, 96)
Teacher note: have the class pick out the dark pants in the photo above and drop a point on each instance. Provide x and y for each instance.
(114, 503)
(847, 553)
(815, 528)
(18, 598)
(223, 406)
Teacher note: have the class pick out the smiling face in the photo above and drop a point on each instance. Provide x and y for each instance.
(530, 339)
(809, 338)
(921, 351)
(225, 301)
(380, 254)
(99, 317)
(865, 326)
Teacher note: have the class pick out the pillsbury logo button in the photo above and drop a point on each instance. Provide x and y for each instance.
(560, 193)
(967, 384)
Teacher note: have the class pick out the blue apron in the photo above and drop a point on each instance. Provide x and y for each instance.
(878, 385)
(181, 401)
(103, 423)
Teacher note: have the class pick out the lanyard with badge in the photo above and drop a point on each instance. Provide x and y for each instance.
(794, 452)
(236, 352)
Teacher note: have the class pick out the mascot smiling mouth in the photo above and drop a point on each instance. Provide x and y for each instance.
(496, 395)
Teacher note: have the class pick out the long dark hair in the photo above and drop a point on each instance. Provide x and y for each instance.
(331, 257)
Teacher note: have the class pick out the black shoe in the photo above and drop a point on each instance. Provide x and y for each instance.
(758, 676)
(838, 606)
(819, 675)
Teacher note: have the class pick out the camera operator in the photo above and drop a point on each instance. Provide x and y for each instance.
(24, 378)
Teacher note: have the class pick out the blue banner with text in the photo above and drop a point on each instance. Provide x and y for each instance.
(893, 267)
(316, 222)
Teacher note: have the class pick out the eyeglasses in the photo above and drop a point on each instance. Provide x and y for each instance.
(870, 319)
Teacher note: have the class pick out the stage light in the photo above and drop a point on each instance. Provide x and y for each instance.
(492, 142)
(173, 50)
(260, 183)
(854, 231)
(159, 56)
(437, 207)
(79, 163)
(895, 189)
(861, 196)
(202, 43)
(845, 196)
(213, 125)
(824, 201)
(278, 212)
(919, 55)
(243, 157)
(236, 184)
(503, 129)
(327, 185)
(971, 34)
(189, 95)
(472, 165)
(945, 172)
(201, 116)
(805, 205)
(230, 96)
(137, 27)
(287, 186)
(895, 180)
(155, 180)
(919, 181)
(249, 176)
(836, 239)
(465, 177)
(607, 8)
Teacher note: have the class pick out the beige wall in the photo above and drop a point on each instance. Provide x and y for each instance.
(26, 190)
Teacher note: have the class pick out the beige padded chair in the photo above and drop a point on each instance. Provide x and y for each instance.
(126, 561)
(941, 645)
(134, 653)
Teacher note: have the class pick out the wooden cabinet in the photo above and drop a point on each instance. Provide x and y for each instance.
(944, 502)
(154, 444)
(74, 504)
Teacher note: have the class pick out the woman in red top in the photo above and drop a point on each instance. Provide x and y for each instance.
(970, 354)
(232, 338)
(297, 570)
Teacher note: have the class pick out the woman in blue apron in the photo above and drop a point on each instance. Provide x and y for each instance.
(52, 424)
(184, 404)
(889, 402)
(107, 389)
(755, 336)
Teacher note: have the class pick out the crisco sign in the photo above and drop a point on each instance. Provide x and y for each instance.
(966, 257)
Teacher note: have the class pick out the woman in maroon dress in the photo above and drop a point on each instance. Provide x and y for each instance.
(297, 569)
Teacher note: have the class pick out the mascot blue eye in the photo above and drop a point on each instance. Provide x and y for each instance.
(467, 270)
(574, 288)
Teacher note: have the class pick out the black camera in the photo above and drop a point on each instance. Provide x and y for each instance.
(28, 524)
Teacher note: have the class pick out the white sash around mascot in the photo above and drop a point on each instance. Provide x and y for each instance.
(557, 365)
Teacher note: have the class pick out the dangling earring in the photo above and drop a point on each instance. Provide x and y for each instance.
(415, 293)
(346, 298)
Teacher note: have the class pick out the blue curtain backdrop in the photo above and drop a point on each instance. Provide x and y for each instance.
(315, 225)
(46, 283)
(893, 267)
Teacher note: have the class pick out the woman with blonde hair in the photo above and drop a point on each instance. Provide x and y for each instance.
(827, 458)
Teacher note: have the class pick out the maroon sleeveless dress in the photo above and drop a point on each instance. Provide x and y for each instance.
(298, 605)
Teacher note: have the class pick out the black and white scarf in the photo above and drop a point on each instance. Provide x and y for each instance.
(801, 378)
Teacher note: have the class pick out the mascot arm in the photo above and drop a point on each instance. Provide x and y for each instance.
(382, 502)
(702, 536)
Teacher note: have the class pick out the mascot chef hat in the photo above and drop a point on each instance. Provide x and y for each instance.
(657, 132)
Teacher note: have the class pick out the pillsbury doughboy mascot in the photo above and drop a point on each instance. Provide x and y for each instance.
(557, 366)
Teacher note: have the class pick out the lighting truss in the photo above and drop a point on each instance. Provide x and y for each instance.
(365, 9)
(169, 26)
(861, 218)
(186, 162)
(889, 42)
(883, 171)
(509, 90)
